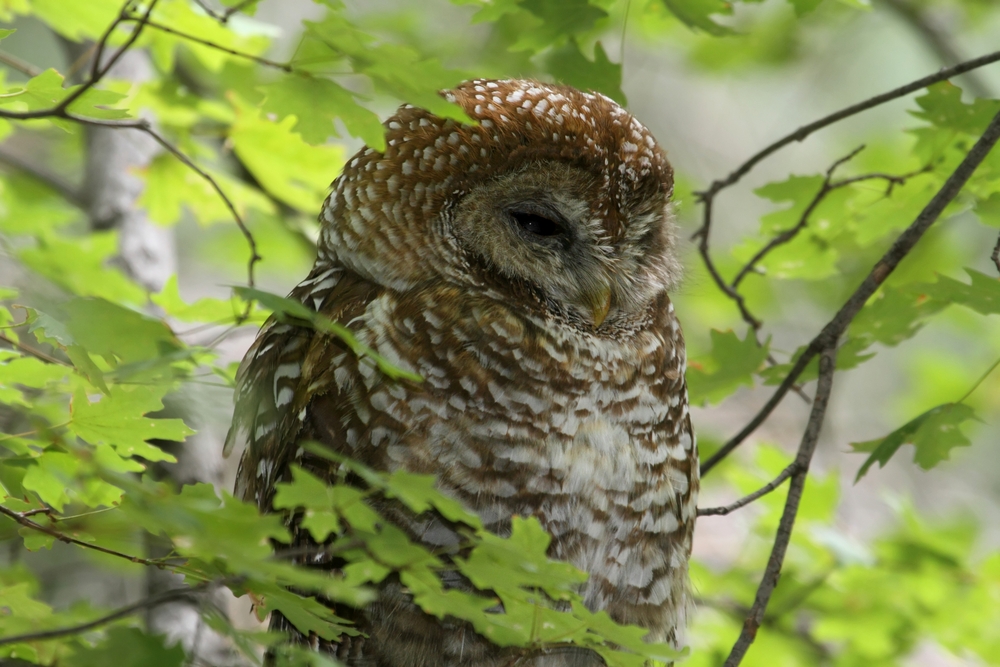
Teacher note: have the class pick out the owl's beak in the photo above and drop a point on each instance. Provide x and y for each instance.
(600, 303)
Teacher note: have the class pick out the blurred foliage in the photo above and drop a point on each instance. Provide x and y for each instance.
(88, 355)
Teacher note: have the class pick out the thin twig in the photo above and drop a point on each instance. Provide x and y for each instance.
(122, 612)
(900, 248)
(20, 518)
(191, 38)
(827, 367)
(790, 470)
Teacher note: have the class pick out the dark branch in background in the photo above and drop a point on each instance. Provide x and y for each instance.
(22, 518)
(937, 40)
(54, 181)
(21, 66)
(827, 367)
(223, 16)
(996, 255)
(122, 612)
(903, 244)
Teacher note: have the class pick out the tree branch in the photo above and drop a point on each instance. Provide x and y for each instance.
(792, 468)
(827, 367)
(123, 612)
(22, 518)
(903, 244)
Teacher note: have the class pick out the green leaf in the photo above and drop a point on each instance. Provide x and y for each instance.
(80, 266)
(418, 492)
(316, 102)
(697, 14)
(77, 21)
(51, 477)
(803, 7)
(520, 560)
(285, 165)
(933, 434)
(571, 66)
(117, 333)
(981, 294)
(942, 106)
(171, 186)
(131, 647)
(305, 613)
(202, 310)
(119, 420)
(46, 91)
(558, 20)
(731, 364)
(32, 207)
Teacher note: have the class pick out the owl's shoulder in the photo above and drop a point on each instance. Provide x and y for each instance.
(285, 367)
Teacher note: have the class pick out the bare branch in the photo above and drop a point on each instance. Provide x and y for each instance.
(792, 468)
(123, 612)
(872, 102)
(22, 518)
(827, 367)
(901, 247)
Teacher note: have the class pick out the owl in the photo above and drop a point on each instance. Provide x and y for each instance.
(521, 265)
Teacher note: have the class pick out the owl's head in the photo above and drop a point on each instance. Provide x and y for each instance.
(555, 191)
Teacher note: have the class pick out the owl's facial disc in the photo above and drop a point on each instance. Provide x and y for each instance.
(537, 227)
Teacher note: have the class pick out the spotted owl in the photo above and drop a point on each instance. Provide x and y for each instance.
(521, 266)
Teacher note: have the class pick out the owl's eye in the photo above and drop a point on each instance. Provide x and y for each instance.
(535, 224)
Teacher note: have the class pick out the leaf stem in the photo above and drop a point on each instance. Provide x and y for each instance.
(979, 381)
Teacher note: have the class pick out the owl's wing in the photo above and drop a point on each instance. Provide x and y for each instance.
(289, 366)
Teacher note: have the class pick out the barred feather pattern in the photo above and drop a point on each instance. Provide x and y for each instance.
(531, 403)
